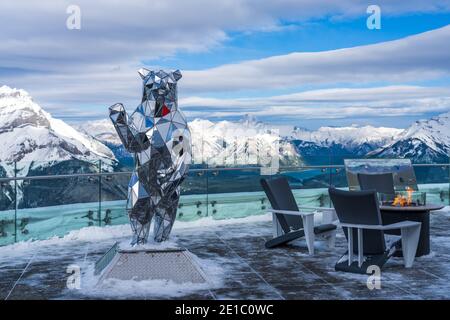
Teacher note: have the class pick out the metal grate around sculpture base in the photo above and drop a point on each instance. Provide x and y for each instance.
(174, 265)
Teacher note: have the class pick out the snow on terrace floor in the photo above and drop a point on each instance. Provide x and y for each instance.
(233, 256)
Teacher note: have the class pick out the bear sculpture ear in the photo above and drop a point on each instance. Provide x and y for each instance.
(176, 75)
(143, 72)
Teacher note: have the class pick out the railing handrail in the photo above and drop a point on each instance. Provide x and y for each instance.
(99, 174)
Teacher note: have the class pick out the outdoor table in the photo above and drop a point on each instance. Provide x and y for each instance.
(393, 214)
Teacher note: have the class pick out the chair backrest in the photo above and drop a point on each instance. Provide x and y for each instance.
(382, 183)
(280, 197)
(360, 207)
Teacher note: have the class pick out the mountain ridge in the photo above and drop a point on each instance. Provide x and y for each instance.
(215, 143)
(33, 138)
(425, 141)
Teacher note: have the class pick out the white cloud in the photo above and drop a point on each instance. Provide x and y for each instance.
(97, 65)
(419, 57)
(331, 103)
(34, 34)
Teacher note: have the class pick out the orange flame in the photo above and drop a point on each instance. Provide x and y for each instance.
(402, 201)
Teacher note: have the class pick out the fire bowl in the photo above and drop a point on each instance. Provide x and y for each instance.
(407, 198)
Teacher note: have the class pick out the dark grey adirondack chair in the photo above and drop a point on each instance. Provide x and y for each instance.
(289, 222)
(382, 183)
(359, 216)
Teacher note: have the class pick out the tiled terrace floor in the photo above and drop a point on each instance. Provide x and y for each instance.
(244, 268)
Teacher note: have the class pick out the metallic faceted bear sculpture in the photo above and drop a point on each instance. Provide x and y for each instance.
(158, 136)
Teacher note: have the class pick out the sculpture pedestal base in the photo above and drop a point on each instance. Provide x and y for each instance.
(176, 265)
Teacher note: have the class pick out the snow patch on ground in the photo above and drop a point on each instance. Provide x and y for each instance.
(95, 234)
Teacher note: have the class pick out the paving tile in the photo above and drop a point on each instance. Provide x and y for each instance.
(427, 291)
(14, 264)
(9, 275)
(5, 288)
(261, 292)
(30, 291)
(320, 291)
(242, 280)
(388, 291)
(291, 277)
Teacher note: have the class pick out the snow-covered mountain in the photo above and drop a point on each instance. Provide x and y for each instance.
(238, 143)
(216, 143)
(426, 141)
(355, 139)
(35, 140)
(102, 130)
(330, 145)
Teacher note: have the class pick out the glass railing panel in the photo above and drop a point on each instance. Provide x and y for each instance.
(234, 180)
(113, 193)
(8, 189)
(53, 207)
(193, 203)
(434, 180)
(236, 193)
(307, 177)
(338, 177)
(318, 157)
(237, 205)
(7, 212)
(309, 184)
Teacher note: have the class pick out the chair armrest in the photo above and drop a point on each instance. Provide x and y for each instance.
(328, 214)
(404, 224)
(410, 233)
(293, 213)
(398, 225)
(317, 209)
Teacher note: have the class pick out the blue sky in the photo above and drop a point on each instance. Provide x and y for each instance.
(279, 61)
(316, 35)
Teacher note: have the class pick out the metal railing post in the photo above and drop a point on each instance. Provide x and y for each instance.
(100, 193)
(207, 190)
(16, 205)
(72, 175)
(330, 185)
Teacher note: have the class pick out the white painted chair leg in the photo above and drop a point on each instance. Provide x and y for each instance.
(331, 240)
(276, 227)
(308, 227)
(350, 245)
(410, 240)
(360, 248)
